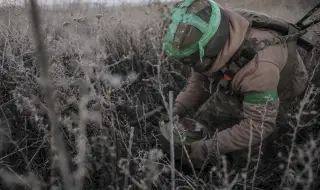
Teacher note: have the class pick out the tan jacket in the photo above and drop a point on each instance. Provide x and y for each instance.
(261, 74)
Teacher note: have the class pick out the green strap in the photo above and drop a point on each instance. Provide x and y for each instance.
(195, 21)
(179, 15)
(261, 97)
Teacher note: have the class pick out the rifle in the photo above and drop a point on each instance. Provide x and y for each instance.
(312, 22)
(303, 26)
(264, 21)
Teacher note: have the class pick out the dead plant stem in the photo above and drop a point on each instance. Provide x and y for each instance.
(128, 157)
(57, 139)
(171, 141)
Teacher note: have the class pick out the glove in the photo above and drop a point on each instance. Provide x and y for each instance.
(199, 152)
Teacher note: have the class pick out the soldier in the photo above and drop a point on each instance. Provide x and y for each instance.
(239, 72)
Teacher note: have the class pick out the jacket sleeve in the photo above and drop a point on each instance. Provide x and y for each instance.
(260, 110)
(258, 123)
(195, 93)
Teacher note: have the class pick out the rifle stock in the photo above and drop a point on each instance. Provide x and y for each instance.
(260, 20)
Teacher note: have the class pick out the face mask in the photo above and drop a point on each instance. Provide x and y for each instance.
(203, 66)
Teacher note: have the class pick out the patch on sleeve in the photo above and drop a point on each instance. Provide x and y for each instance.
(261, 97)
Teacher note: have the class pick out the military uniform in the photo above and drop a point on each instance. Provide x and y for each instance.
(246, 119)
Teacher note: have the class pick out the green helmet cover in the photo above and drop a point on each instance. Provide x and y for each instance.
(208, 29)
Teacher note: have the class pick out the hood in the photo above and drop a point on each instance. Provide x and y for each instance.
(238, 26)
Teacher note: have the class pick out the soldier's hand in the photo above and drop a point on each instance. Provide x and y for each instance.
(198, 153)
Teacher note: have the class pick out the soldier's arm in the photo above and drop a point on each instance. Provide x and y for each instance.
(260, 113)
(260, 108)
(194, 94)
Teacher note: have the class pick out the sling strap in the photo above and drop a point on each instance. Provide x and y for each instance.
(251, 46)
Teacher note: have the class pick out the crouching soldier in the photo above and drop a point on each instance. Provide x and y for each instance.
(240, 71)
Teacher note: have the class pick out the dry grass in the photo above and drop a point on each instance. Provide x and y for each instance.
(107, 72)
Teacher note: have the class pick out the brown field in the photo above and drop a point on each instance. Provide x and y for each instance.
(108, 72)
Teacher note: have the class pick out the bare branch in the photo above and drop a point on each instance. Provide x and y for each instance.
(171, 141)
(42, 61)
(129, 154)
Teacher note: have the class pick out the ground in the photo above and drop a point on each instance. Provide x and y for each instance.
(107, 72)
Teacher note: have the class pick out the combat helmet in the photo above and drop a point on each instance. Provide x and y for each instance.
(197, 32)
